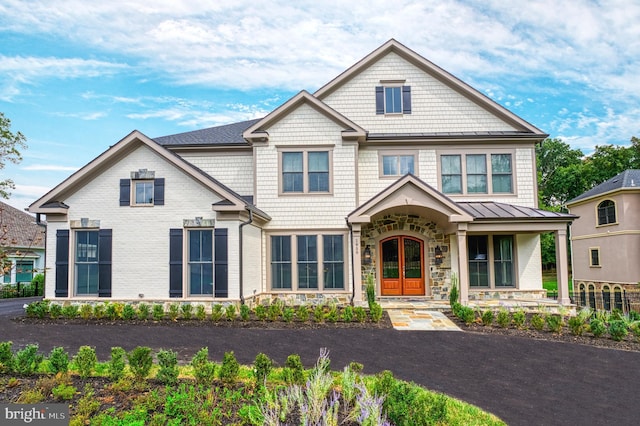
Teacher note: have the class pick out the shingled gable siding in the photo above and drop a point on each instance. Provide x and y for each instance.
(434, 106)
(233, 170)
(306, 127)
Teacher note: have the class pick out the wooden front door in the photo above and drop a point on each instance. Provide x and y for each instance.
(402, 267)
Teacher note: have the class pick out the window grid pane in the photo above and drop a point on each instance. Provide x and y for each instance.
(478, 263)
(406, 164)
(451, 174)
(201, 262)
(476, 173)
(503, 260)
(501, 173)
(333, 266)
(86, 262)
(606, 212)
(292, 172)
(144, 192)
(281, 262)
(389, 165)
(393, 100)
(307, 262)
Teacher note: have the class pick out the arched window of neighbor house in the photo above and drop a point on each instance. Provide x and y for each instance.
(617, 300)
(606, 298)
(592, 297)
(583, 298)
(606, 212)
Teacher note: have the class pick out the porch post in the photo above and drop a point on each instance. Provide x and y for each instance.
(562, 267)
(357, 263)
(463, 264)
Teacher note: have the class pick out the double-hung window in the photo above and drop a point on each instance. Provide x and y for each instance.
(201, 262)
(307, 262)
(86, 262)
(594, 257)
(397, 164)
(491, 260)
(306, 171)
(393, 98)
(143, 192)
(469, 174)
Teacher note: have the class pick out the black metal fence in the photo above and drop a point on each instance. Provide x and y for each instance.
(8, 291)
(599, 300)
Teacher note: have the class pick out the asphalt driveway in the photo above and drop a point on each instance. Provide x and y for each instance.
(524, 382)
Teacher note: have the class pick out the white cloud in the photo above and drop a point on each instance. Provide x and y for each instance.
(49, 167)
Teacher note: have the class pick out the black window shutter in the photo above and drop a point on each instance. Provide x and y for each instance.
(104, 263)
(175, 262)
(221, 264)
(406, 99)
(62, 263)
(379, 100)
(125, 192)
(158, 192)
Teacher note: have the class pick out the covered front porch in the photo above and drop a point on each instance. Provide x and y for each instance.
(412, 241)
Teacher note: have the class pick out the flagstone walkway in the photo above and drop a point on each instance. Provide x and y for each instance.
(419, 315)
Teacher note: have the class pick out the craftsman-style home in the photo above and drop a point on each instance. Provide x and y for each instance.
(394, 170)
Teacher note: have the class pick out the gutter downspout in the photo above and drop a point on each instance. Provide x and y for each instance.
(353, 271)
(242, 225)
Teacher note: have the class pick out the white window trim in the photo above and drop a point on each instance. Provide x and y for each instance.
(305, 170)
(396, 153)
(463, 171)
(320, 261)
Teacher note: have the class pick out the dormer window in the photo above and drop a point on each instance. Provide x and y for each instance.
(393, 99)
(606, 212)
(142, 189)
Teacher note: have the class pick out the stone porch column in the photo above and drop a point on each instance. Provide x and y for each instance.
(562, 267)
(357, 263)
(463, 264)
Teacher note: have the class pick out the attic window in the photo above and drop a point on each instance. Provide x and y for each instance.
(393, 99)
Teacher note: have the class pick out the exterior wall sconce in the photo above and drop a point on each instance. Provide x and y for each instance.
(366, 256)
(438, 253)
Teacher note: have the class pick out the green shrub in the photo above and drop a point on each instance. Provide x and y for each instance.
(27, 360)
(332, 316)
(143, 311)
(262, 366)
(140, 362)
(370, 290)
(38, 309)
(618, 330)
(168, 363)
(86, 311)
(99, 311)
(519, 318)
(128, 312)
(293, 372)
(187, 311)
(64, 392)
(503, 318)
(347, 313)
(376, 312)
(114, 310)
(453, 294)
(230, 368)
(203, 369)
(302, 313)
(554, 322)
(116, 365)
(158, 312)
(245, 312)
(360, 313)
(318, 313)
(85, 361)
(288, 313)
(597, 327)
(467, 314)
(217, 310)
(201, 312)
(634, 316)
(537, 322)
(6, 357)
(578, 325)
(230, 312)
(174, 311)
(487, 317)
(635, 328)
(275, 310)
(70, 311)
(58, 360)
(408, 404)
(55, 311)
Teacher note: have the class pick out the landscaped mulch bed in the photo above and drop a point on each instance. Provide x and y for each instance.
(630, 343)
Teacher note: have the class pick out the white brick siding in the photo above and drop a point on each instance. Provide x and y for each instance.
(232, 170)
(252, 259)
(140, 252)
(435, 107)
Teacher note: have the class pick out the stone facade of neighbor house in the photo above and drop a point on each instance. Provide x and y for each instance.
(22, 241)
(605, 243)
(394, 171)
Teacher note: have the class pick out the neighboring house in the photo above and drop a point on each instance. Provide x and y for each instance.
(605, 243)
(22, 241)
(395, 168)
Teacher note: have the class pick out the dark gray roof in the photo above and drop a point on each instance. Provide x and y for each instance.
(229, 134)
(627, 179)
(493, 210)
(19, 229)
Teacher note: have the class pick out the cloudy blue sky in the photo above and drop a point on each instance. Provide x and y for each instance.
(77, 76)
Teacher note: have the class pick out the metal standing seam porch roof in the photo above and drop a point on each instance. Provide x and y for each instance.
(489, 210)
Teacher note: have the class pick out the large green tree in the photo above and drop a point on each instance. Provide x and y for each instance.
(10, 146)
(560, 175)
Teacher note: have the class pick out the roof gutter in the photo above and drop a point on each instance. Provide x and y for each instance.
(242, 225)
